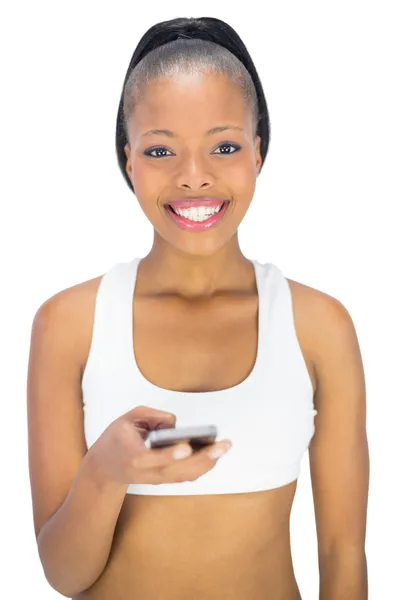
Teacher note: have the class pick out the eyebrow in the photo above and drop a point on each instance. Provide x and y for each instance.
(211, 131)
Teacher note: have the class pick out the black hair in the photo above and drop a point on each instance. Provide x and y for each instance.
(191, 42)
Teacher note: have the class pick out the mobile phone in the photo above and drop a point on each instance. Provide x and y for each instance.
(197, 436)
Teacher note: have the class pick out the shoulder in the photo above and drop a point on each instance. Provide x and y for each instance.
(68, 315)
(70, 303)
(325, 323)
(322, 312)
(317, 304)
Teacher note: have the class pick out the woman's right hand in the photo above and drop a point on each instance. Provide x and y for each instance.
(121, 455)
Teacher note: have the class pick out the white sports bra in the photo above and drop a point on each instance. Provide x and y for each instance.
(269, 417)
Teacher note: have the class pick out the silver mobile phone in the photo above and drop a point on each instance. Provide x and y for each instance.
(197, 436)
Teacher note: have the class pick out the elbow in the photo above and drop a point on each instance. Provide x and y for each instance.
(64, 579)
(62, 583)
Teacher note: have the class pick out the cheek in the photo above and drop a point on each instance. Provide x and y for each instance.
(143, 179)
(242, 178)
(147, 188)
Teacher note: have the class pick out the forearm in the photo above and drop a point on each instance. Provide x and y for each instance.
(74, 545)
(344, 576)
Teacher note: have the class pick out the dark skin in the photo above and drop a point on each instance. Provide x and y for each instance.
(194, 165)
(232, 546)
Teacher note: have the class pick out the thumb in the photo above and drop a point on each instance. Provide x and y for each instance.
(148, 418)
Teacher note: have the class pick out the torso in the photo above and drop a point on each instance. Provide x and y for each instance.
(165, 546)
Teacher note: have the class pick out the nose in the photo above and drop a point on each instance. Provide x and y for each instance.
(194, 175)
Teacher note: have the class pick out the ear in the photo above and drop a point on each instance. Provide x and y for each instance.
(257, 149)
(128, 167)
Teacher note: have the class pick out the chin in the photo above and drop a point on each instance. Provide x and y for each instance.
(200, 247)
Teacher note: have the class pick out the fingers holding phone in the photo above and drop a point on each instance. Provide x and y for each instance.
(121, 453)
(181, 454)
(178, 463)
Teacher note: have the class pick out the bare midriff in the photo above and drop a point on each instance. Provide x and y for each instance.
(228, 546)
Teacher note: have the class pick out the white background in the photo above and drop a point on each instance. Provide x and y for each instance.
(324, 210)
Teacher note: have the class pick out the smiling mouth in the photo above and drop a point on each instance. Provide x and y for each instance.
(199, 213)
(197, 218)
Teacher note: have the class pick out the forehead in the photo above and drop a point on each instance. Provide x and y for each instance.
(195, 101)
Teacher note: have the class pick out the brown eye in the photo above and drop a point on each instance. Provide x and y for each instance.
(225, 146)
(160, 152)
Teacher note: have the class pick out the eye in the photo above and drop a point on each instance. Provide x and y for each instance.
(149, 151)
(227, 145)
(160, 151)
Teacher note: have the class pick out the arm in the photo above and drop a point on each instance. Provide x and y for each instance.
(74, 511)
(338, 453)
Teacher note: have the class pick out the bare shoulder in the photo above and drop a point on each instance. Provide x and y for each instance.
(73, 308)
(317, 308)
(304, 294)
(323, 325)
(74, 298)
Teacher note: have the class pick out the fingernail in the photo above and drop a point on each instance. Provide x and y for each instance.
(218, 452)
(182, 451)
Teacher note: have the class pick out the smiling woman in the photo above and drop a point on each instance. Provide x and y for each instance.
(194, 334)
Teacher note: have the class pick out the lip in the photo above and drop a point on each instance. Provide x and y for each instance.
(188, 225)
(188, 202)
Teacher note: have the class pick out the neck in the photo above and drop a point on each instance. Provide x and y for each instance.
(168, 270)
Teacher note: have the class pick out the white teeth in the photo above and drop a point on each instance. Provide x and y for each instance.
(200, 213)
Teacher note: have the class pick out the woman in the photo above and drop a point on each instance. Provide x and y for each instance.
(194, 333)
